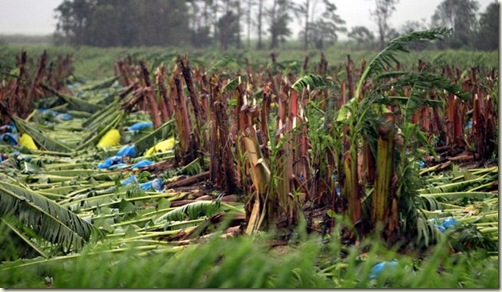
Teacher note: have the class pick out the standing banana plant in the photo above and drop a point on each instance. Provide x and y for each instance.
(358, 121)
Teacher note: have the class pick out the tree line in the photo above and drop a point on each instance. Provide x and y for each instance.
(233, 23)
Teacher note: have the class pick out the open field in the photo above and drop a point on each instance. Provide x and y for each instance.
(162, 168)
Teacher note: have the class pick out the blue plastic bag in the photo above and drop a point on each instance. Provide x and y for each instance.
(110, 161)
(449, 222)
(47, 111)
(140, 126)
(118, 166)
(131, 179)
(156, 184)
(10, 138)
(128, 150)
(64, 117)
(146, 186)
(142, 163)
(378, 268)
(60, 116)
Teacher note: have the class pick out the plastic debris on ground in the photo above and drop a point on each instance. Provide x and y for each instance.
(442, 226)
(156, 184)
(131, 179)
(140, 126)
(378, 268)
(110, 161)
(119, 166)
(27, 141)
(10, 138)
(111, 138)
(142, 163)
(128, 150)
(162, 146)
(61, 116)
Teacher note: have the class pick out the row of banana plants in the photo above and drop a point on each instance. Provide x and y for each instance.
(290, 146)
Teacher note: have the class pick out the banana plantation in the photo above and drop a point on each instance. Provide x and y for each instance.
(176, 173)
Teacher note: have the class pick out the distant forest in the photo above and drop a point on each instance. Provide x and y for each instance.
(232, 23)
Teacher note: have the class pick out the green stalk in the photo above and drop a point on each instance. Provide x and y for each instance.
(384, 164)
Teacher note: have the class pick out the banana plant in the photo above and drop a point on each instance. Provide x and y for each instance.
(354, 118)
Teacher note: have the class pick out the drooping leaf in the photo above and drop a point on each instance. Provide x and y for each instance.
(312, 81)
(387, 56)
(191, 211)
(49, 220)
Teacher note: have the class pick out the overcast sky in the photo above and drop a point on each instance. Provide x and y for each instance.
(37, 16)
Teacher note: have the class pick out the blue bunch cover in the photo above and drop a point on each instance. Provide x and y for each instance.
(140, 126)
(156, 184)
(449, 222)
(131, 179)
(142, 163)
(60, 116)
(9, 138)
(378, 268)
(146, 186)
(64, 117)
(119, 165)
(110, 161)
(128, 150)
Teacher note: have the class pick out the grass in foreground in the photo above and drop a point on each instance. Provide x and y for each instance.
(247, 262)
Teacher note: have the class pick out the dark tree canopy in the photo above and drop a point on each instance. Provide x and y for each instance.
(382, 14)
(231, 23)
(323, 30)
(107, 23)
(459, 15)
(489, 34)
(278, 16)
(362, 36)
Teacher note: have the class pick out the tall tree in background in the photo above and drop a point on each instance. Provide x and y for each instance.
(381, 14)
(259, 20)
(306, 11)
(73, 19)
(201, 21)
(249, 21)
(412, 25)
(459, 15)
(489, 31)
(362, 36)
(325, 30)
(228, 24)
(278, 16)
(107, 23)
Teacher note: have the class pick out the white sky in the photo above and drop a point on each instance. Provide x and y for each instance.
(37, 16)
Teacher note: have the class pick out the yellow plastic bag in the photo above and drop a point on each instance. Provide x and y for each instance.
(162, 146)
(26, 141)
(111, 138)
